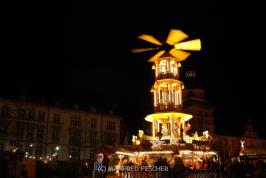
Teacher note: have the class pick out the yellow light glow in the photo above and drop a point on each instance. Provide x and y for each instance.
(182, 116)
(175, 36)
(125, 153)
(178, 54)
(185, 152)
(139, 50)
(141, 134)
(190, 152)
(155, 152)
(150, 39)
(193, 45)
(206, 134)
(164, 82)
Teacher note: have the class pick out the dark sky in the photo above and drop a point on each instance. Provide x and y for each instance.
(80, 53)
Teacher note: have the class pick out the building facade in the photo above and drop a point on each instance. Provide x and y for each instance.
(53, 132)
(196, 104)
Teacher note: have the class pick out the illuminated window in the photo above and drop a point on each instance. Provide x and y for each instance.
(163, 66)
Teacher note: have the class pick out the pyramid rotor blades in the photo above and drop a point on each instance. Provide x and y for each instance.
(193, 45)
(178, 54)
(175, 36)
(150, 39)
(157, 55)
(139, 50)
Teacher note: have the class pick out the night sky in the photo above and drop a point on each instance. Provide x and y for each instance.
(80, 54)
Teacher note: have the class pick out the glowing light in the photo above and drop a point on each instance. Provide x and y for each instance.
(155, 152)
(242, 142)
(57, 148)
(31, 145)
(175, 36)
(182, 116)
(125, 153)
(206, 134)
(179, 55)
(156, 144)
(193, 45)
(141, 134)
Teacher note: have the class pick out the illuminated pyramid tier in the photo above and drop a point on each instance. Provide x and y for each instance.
(168, 119)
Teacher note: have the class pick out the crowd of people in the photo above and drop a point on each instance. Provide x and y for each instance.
(231, 168)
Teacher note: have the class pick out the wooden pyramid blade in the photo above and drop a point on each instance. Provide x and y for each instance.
(156, 56)
(150, 39)
(178, 54)
(175, 36)
(193, 45)
(139, 50)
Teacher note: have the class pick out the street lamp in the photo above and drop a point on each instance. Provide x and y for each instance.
(57, 148)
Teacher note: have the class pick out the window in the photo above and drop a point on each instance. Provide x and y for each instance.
(93, 138)
(56, 118)
(110, 138)
(12, 142)
(41, 116)
(38, 151)
(93, 124)
(74, 136)
(21, 113)
(5, 111)
(55, 134)
(75, 121)
(110, 125)
(19, 131)
(32, 115)
(29, 134)
(163, 66)
(40, 134)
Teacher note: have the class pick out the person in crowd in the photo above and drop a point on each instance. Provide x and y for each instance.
(178, 168)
